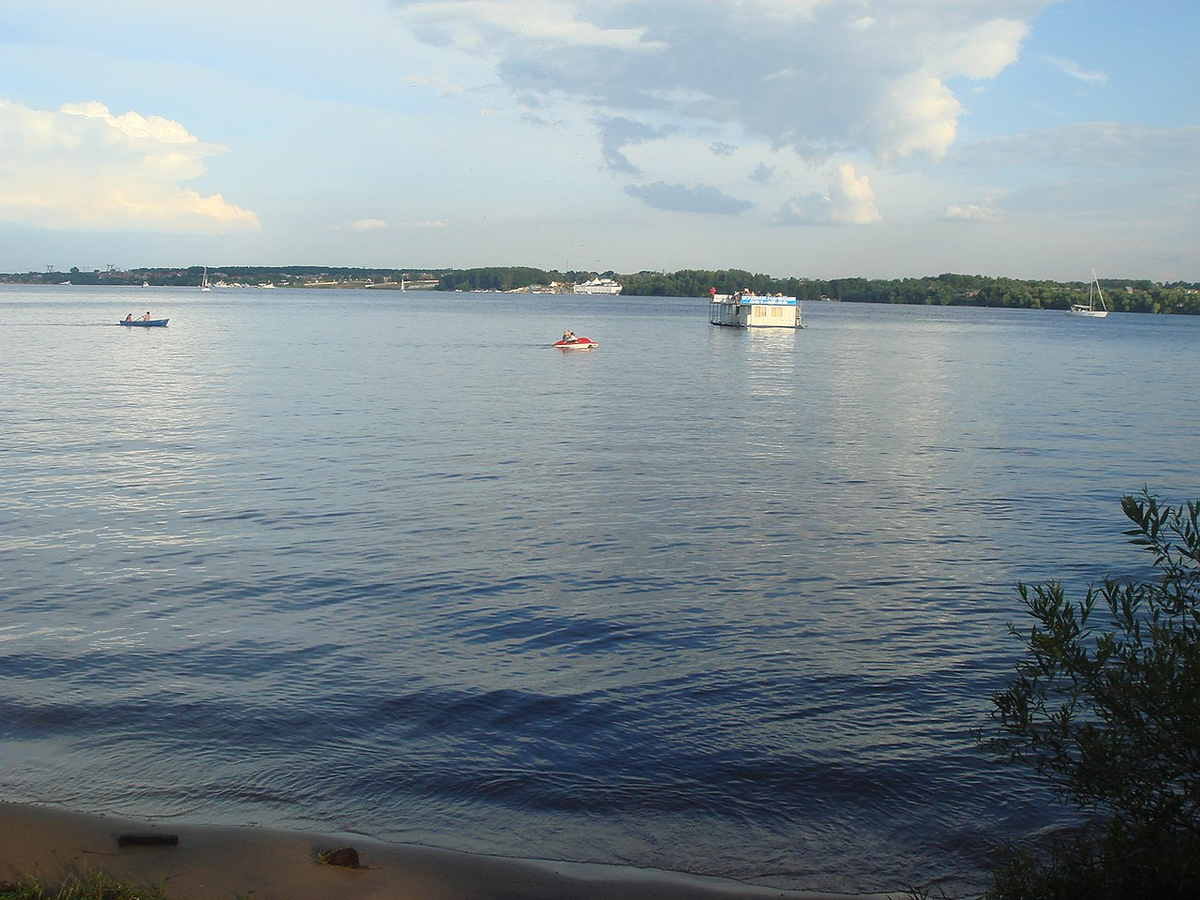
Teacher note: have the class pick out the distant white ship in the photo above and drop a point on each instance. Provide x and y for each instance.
(598, 286)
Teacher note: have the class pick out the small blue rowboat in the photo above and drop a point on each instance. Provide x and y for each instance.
(145, 323)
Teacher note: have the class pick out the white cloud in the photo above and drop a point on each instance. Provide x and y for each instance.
(979, 50)
(924, 118)
(848, 200)
(774, 70)
(985, 211)
(485, 25)
(1073, 69)
(852, 198)
(132, 124)
(368, 225)
(81, 167)
(429, 224)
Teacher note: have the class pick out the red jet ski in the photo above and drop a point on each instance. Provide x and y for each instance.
(578, 343)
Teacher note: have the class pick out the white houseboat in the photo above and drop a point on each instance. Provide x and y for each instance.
(748, 310)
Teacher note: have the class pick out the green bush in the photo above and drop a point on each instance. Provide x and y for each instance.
(1105, 705)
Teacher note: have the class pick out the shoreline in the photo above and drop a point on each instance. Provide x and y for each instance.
(221, 862)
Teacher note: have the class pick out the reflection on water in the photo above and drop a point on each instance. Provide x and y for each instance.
(706, 599)
(771, 361)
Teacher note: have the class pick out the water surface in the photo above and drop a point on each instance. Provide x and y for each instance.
(719, 601)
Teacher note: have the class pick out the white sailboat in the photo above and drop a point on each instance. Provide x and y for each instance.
(204, 285)
(1095, 307)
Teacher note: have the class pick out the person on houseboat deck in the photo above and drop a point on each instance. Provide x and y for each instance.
(129, 318)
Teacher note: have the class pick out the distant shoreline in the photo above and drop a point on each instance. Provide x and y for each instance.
(1122, 294)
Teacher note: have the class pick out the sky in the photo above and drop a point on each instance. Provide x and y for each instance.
(808, 138)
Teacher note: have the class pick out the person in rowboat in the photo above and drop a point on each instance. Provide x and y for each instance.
(129, 318)
(146, 317)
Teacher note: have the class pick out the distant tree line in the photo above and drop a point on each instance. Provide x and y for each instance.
(1121, 295)
(190, 276)
(503, 278)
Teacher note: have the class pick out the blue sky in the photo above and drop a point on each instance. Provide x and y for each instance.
(818, 138)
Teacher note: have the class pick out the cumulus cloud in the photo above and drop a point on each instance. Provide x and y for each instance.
(82, 167)
(773, 70)
(848, 200)
(368, 225)
(681, 198)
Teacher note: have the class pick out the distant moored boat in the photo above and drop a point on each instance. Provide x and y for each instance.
(746, 309)
(1095, 295)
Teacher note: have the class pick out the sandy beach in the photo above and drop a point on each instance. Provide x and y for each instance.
(220, 863)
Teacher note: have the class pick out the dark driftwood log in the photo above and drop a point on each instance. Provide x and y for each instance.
(148, 840)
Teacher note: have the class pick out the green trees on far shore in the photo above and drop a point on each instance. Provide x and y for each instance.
(1121, 295)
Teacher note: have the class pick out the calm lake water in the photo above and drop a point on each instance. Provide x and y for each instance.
(700, 599)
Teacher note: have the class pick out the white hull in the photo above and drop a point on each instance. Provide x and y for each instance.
(598, 286)
(1090, 310)
(754, 311)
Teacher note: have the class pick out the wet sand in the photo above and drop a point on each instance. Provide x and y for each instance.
(219, 863)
